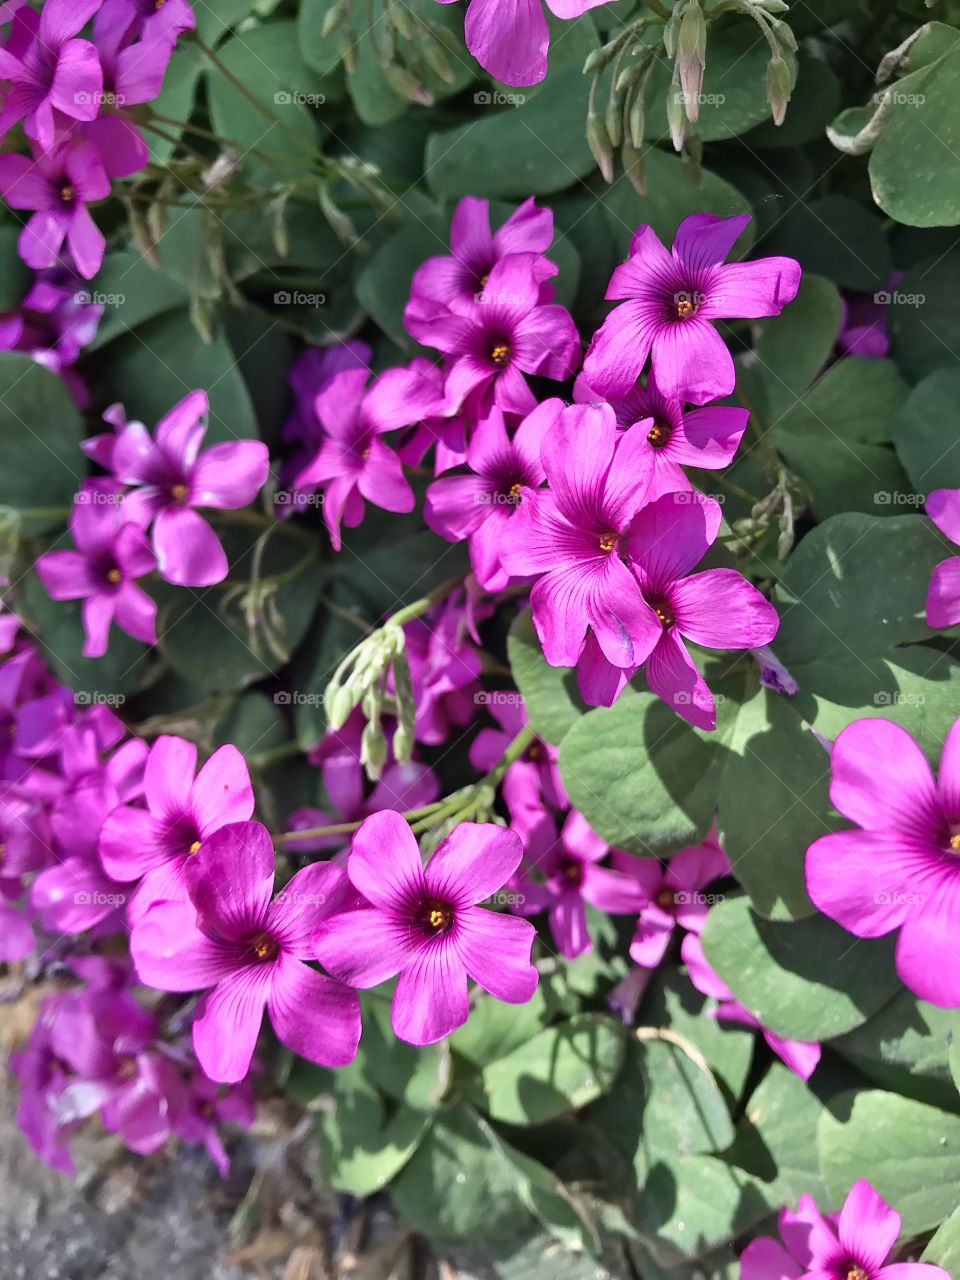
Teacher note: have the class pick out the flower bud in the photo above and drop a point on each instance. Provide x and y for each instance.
(339, 702)
(634, 167)
(780, 79)
(692, 57)
(599, 142)
(373, 750)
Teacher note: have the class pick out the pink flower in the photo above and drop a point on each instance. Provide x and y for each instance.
(250, 952)
(353, 464)
(676, 438)
(531, 783)
(717, 608)
(156, 844)
(480, 507)
(899, 869)
(672, 895)
(455, 281)
(851, 1245)
(445, 668)
(670, 303)
(425, 924)
(507, 334)
(111, 555)
(562, 875)
(172, 477)
(510, 38)
(53, 73)
(801, 1056)
(57, 187)
(943, 595)
(570, 536)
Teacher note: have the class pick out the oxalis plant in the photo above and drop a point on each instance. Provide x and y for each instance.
(479, 485)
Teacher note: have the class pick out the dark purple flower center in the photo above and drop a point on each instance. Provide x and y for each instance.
(572, 871)
(853, 1271)
(663, 611)
(68, 194)
(264, 948)
(685, 303)
(608, 540)
(666, 900)
(500, 353)
(179, 493)
(436, 916)
(659, 435)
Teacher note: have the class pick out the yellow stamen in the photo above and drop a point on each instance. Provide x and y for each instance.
(500, 354)
(113, 575)
(264, 948)
(608, 541)
(685, 308)
(857, 1273)
(658, 435)
(67, 194)
(179, 492)
(664, 613)
(438, 916)
(194, 848)
(955, 842)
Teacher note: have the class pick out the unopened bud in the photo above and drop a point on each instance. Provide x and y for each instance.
(613, 120)
(692, 57)
(634, 167)
(407, 86)
(636, 120)
(402, 744)
(675, 116)
(780, 78)
(332, 19)
(599, 142)
(339, 702)
(373, 750)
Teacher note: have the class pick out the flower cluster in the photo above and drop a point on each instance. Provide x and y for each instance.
(72, 96)
(55, 320)
(158, 481)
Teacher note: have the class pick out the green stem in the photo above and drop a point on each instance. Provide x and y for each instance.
(458, 804)
(420, 607)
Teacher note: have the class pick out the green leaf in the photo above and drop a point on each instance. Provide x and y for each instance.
(903, 1048)
(835, 602)
(924, 324)
(365, 1145)
(914, 166)
(944, 1249)
(925, 435)
(41, 464)
(15, 276)
(837, 238)
(531, 149)
(175, 100)
(152, 370)
(457, 1185)
(558, 1070)
(415, 1076)
(217, 16)
(804, 980)
(909, 1151)
(383, 285)
(266, 61)
(671, 197)
(139, 292)
(551, 698)
(665, 1101)
(495, 1029)
(774, 802)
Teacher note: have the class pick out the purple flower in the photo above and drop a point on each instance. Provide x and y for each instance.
(54, 75)
(943, 594)
(562, 875)
(717, 608)
(446, 435)
(801, 1056)
(251, 953)
(851, 1245)
(425, 924)
(672, 895)
(510, 38)
(480, 507)
(570, 537)
(671, 300)
(208, 1105)
(173, 477)
(505, 335)
(900, 868)
(445, 668)
(676, 438)
(57, 187)
(42, 1077)
(111, 555)
(155, 845)
(456, 281)
(311, 374)
(146, 20)
(353, 463)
